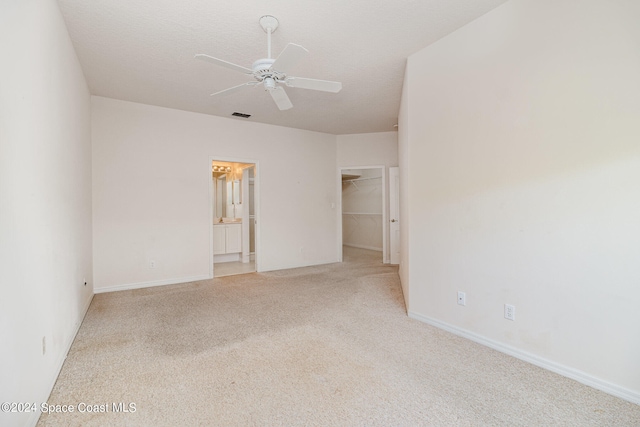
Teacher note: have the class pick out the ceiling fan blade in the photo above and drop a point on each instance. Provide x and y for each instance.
(313, 84)
(281, 99)
(223, 63)
(234, 89)
(289, 57)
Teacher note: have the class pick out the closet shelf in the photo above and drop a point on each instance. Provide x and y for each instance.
(361, 179)
(361, 213)
(349, 176)
(353, 181)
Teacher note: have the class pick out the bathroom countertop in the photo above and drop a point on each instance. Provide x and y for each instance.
(239, 221)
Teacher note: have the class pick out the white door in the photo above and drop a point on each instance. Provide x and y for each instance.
(394, 214)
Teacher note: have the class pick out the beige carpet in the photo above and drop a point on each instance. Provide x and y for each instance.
(318, 346)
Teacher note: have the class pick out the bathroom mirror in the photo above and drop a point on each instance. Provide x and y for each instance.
(227, 195)
(234, 189)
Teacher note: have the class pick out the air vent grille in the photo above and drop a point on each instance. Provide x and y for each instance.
(243, 115)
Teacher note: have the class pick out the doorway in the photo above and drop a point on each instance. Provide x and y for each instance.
(363, 214)
(234, 213)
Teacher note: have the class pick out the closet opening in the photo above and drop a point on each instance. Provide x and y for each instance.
(364, 218)
(234, 216)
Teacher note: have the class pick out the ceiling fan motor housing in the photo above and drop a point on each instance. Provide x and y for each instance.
(263, 73)
(262, 66)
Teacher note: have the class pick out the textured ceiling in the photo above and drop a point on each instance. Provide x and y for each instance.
(143, 51)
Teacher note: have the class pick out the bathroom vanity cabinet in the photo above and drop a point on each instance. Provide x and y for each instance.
(227, 238)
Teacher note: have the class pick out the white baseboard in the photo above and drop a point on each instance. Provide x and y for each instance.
(371, 248)
(574, 374)
(35, 416)
(289, 267)
(140, 285)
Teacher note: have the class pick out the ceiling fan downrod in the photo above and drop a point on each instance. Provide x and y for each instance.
(269, 24)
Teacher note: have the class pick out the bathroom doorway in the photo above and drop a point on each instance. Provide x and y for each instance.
(234, 213)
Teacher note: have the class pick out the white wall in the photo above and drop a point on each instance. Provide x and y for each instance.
(405, 187)
(370, 149)
(526, 126)
(151, 176)
(45, 200)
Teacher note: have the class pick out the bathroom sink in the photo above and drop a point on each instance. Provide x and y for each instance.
(231, 220)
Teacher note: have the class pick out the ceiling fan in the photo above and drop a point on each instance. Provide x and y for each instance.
(273, 73)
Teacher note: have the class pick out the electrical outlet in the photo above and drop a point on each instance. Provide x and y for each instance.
(152, 264)
(509, 312)
(462, 298)
(44, 345)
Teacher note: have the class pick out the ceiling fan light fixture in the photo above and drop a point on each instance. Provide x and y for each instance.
(269, 83)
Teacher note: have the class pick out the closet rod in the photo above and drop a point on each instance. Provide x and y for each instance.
(361, 179)
(361, 213)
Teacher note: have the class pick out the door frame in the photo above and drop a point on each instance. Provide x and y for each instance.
(385, 224)
(394, 195)
(256, 203)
